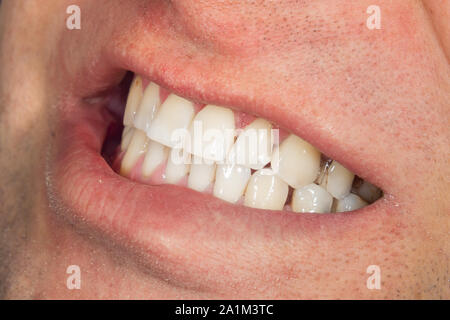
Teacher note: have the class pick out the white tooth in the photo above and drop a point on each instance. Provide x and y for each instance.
(296, 162)
(174, 114)
(266, 191)
(133, 101)
(138, 146)
(127, 133)
(311, 198)
(155, 156)
(231, 180)
(212, 133)
(177, 166)
(349, 203)
(253, 147)
(148, 107)
(201, 176)
(339, 181)
(369, 192)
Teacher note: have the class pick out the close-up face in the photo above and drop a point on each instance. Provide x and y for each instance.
(224, 149)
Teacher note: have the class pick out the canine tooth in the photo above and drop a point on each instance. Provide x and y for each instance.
(368, 192)
(231, 180)
(127, 133)
(212, 132)
(155, 156)
(296, 162)
(266, 190)
(311, 198)
(138, 146)
(253, 147)
(201, 176)
(133, 101)
(349, 203)
(177, 166)
(174, 114)
(148, 107)
(339, 181)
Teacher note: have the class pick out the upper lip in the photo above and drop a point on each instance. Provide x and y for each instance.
(149, 218)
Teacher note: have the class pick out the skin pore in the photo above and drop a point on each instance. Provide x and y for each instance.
(377, 97)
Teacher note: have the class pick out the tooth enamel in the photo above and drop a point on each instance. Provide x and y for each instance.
(138, 146)
(155, 156)
(174, 114)
(217, 133)
(253, 147)
(296, 162)
(311, 198)
(266, 190)
(133, 101)
(231, 180)
(369, 192)
(148, 107)
(349, 203)
(339, 181)
(201, 176)
(177, 166)
(127, 133)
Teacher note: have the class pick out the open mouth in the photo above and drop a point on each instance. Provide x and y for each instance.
(231, 155)
(112, 171)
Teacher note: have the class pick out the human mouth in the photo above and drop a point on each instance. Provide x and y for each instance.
(260, 165)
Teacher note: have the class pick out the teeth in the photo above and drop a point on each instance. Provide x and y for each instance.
(349, 203)
(133, 101)
(177, 166)
(148, 107)
(253, 147)
(339, 181)
(153, 132)
(127, 133)
(201, 176)
(311, 198)
(155, 156)
(266, 191)
(231, 181)
(296, 162)
(369, 192)
(138, 146)
(212, 133)
(174, 114)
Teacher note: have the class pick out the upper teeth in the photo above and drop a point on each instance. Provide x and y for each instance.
(133, 101)
(210, 158)
(174, 114)
(211, 140)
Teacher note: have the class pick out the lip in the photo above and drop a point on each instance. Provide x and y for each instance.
(149, 219)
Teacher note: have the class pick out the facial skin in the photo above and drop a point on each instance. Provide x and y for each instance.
(376, 100)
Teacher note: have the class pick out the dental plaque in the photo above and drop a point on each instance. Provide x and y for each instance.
(234, 156)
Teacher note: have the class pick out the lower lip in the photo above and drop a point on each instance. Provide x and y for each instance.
(155, 218)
